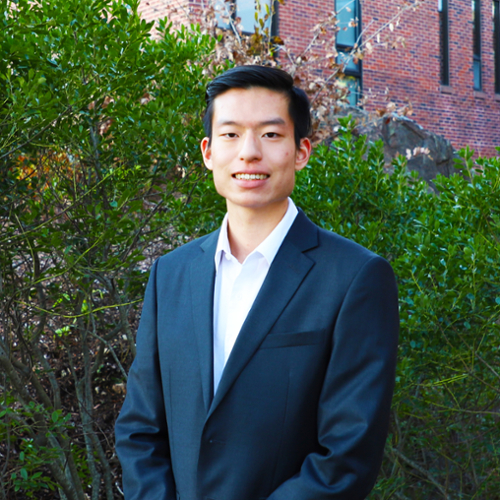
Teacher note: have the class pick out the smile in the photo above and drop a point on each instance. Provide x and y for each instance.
(251, 177)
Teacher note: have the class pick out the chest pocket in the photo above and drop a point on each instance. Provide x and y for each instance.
(275, 340)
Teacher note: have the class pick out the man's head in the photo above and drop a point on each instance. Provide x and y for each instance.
(256, 139)
(245, 77)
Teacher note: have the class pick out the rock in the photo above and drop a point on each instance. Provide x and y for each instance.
(403, 136)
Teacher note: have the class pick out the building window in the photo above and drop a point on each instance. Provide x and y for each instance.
(476, 35)
(252, 13)
(444, 41)
(349, 23)
(496, 43)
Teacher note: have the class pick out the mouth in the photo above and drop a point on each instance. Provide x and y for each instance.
(251, 177)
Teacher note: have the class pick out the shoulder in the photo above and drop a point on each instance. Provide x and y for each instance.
(341, 245)
(350, 267)
(345, 255)
(322, 241)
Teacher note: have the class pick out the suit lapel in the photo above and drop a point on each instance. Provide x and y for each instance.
(285, 275)
(202, 291)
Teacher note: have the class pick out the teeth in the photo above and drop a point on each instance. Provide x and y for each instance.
(251, 177)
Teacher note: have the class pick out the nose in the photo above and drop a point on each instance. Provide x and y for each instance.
(250, 148)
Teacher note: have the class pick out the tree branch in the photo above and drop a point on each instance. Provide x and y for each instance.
(426, 474)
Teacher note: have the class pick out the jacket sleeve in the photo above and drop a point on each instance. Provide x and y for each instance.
(142, 443)
(354, 405)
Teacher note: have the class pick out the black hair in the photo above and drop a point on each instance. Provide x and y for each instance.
(245, 77)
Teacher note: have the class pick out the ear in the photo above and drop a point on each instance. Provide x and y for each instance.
(303, 153)
(206, 151)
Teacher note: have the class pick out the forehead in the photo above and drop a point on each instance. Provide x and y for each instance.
(252, 105)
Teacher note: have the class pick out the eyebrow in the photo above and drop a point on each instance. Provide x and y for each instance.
(273, 121)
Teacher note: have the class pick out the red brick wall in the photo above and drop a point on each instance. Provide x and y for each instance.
(463, 116)
(174, 10)
(154, 9)
(459, 113)
(296, 20)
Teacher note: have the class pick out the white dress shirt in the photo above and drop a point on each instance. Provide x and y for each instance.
(237, 286)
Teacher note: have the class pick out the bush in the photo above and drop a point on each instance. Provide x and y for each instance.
(99, 133)
(444, 249)
(100, 172)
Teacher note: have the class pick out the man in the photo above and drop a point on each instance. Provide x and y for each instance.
(266, 350)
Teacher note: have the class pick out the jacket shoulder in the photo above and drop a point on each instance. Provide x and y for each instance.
(340, 244)
(346, 255)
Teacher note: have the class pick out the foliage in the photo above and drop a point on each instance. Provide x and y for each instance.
(99, 132)
(444, 249)
(100, 172)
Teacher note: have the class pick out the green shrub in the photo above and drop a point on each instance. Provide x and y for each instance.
(99, 132)
(445, 251)
(100, 172)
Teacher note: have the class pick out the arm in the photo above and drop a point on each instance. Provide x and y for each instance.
(354, 405)
(141, 428)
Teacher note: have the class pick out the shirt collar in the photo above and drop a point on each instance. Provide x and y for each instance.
(269, 247)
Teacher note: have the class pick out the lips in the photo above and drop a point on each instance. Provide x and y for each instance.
(251, 177)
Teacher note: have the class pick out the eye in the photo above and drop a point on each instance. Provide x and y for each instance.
(230, 135)
(271, 135)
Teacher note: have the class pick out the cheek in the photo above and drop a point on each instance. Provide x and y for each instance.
(221, 158)
(220, 178)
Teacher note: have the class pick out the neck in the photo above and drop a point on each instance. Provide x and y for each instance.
(248, 228)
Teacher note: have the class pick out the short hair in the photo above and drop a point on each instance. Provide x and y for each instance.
(245, 77)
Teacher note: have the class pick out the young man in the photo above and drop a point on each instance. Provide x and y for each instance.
(266, 350)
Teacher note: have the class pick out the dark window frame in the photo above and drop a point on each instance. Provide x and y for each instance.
(444, 35)
(496, 43)
(347, 49)
(476, 42)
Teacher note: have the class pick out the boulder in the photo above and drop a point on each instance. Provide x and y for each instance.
(428, 153)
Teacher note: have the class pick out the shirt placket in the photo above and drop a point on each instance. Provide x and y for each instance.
(240, 301)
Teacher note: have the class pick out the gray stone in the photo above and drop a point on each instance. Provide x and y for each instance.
(401, 135)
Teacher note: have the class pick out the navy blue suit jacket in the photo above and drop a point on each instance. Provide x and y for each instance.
(302, 409)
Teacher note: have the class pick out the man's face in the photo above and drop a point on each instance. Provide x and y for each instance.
(252, 154)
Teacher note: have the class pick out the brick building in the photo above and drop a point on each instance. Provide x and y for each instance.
(449, 70)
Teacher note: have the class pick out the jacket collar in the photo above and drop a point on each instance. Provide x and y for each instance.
(289, 268)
